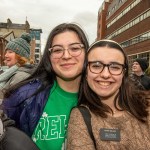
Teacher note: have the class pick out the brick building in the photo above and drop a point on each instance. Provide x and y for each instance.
(128, 23)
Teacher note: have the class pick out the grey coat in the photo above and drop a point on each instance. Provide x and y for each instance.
(13, 76)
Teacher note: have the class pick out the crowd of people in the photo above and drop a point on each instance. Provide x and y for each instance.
(79, 97)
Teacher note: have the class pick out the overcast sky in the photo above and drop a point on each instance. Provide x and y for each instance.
(46, 14)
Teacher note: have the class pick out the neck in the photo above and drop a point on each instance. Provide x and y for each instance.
(116, 112)
(109, 101)
(71, 86)
(139, 73)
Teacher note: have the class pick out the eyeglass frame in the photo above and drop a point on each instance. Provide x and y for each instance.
(107, 65)
(81, 46)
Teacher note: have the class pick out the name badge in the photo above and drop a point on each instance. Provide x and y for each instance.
(109, 134)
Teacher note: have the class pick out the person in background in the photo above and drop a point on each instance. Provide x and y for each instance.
(17, 58)
(120, 115)
(138, 76)
(41, 105)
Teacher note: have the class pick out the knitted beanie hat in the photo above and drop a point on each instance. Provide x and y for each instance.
(143, 63)
(20, 46)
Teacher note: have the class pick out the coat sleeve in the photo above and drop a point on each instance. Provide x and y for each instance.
(13, 106)
(78, 137)
(10, 106)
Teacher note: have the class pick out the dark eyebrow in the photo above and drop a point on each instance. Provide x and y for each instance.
(69, 44)
(75, 43)
(113, 62)
(95, 61)
(57, 45)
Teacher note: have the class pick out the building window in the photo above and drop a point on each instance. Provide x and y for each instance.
(37, 50)
(132, 23)
(36, 56)
(123, 12)
(37, 45)
(137, 39)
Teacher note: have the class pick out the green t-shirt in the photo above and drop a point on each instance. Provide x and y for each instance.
(50, 132)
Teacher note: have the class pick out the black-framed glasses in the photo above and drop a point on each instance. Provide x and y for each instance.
(114, 68)
(74, 50)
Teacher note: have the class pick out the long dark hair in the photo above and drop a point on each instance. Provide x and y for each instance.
(44, 71)
(130, 99)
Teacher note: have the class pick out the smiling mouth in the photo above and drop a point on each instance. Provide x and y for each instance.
(6, 60)
(105, 84)
(67, 65)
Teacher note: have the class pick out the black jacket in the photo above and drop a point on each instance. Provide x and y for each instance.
(142, 82)
(12, 138)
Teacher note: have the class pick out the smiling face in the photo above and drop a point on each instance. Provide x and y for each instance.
(104, 84)
(10, 58)
(136, 68)
(67, 67)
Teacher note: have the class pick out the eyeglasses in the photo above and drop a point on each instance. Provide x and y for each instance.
(74, 50)
(114, 68)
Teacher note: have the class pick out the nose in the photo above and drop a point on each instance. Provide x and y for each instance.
(66, 54)
(105, 73)
(6, 54)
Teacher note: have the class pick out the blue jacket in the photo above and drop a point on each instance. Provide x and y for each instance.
(26, 109)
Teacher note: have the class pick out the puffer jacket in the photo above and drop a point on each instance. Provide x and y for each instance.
(25, 107)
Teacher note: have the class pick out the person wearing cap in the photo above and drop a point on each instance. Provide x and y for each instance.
(138, 76)
(17, 58)
(112, 115)
(41, 106)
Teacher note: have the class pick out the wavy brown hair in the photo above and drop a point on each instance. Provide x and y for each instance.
(21, 61)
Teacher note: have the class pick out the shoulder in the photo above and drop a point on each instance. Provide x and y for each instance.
(22, 72)
(32, 85)
(75, 112)
(75, 116)
(27, 68)
(24, 91)
(19, 76)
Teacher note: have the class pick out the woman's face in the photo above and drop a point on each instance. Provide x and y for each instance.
(104, 84)
(10, 58)
(67, 67)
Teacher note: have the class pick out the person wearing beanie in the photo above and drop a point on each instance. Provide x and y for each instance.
(17, 58)
(138, 76)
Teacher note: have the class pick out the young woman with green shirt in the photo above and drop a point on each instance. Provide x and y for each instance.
(41, 105)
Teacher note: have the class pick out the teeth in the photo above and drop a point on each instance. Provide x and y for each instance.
(104, 83)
